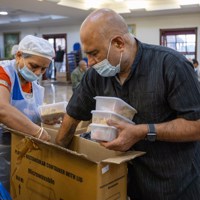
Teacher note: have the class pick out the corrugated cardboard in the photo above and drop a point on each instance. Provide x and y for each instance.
(85, 171)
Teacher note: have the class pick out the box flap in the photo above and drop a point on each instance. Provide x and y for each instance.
(124, 157)
(46, 143)
(97, 153)
(94, 151)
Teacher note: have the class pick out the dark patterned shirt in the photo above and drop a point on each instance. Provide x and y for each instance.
(161, 87)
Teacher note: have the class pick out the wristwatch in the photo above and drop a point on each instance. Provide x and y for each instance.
(151, 135)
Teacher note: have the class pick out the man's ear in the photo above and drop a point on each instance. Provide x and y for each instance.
(118, 42)
(117, 45)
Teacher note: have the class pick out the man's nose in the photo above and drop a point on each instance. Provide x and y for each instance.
(91, 61)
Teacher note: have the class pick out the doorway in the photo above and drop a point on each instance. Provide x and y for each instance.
(57, 40)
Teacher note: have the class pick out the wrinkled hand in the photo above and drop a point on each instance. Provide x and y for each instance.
(128, 135)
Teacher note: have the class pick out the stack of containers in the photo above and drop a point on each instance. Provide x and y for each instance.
(109, 108)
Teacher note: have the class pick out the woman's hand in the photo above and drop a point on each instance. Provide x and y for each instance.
(43, 135)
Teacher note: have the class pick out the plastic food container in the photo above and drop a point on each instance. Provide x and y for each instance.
(116, 105)
(103, 132)
(51, 113)
(101, 117)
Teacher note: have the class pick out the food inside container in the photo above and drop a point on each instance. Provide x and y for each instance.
(52, 113)
(116, 105)
(101, 117)
(101, 132)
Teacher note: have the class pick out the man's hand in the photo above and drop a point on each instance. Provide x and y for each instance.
(66, 130)
(128, 135)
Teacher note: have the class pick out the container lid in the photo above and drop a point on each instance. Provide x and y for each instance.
(113, 113)
(117, 99)
(102, 126)
(54, 104)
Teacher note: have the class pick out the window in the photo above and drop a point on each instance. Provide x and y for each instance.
(10, 39)
(183, 40)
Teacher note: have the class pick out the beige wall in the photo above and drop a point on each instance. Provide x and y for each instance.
(147, 28)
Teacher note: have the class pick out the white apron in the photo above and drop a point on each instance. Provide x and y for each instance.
(28, 106)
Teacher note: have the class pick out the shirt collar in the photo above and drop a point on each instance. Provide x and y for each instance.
(137, 57)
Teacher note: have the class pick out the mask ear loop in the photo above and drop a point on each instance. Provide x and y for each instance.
(23, 62)
(109, 49)
(18, 67)
(120, 58)
(120, 61)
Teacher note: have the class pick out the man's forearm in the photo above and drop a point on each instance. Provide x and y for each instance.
(66, 131)
(178, 130)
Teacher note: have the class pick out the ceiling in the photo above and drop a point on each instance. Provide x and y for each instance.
(31, 13)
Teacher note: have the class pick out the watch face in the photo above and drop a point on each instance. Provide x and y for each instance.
(151, 137)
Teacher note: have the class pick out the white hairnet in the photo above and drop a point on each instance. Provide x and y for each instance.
(14, 49)
(36, 46)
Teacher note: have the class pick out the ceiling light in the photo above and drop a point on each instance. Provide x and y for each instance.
(54, 1)
(136, 4)
(73, 4)
(92, 4)
(166, 5)
(3, 13)
(189, 2)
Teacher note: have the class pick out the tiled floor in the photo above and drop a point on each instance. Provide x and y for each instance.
(56, 91)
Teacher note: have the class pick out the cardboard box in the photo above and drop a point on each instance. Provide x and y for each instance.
(53, 133)
(53, 129)
(86, 171)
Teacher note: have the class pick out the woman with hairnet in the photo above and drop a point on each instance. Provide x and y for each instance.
(19, 89)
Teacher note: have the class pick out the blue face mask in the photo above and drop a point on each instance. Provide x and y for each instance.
(105, 69)
(28, 75)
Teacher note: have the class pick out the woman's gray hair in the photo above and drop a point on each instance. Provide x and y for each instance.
(26, 55)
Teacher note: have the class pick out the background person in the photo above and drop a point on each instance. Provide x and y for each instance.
(59, 59)
(196, 68)
(195, 63)
(161, 85)
(78, 73)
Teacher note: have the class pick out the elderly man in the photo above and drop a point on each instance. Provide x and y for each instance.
(161, 84)
(78, 73)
